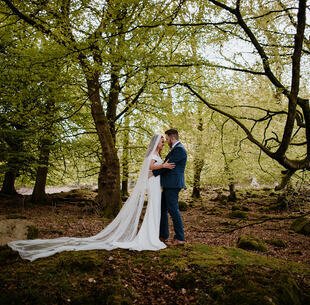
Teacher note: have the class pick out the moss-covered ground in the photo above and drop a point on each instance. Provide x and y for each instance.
(209, 269)
(191, 274)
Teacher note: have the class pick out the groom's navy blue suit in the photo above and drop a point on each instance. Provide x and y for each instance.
(172, 181)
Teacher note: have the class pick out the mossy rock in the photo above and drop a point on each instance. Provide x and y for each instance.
(237, 207)
(279, 243)
(238, 214)
(7, 255)
(32, 232)
(282, 203)
(217, 291)
(16, 229)
(301, 225)
(248, 242)
(182, 206)
(232, 197)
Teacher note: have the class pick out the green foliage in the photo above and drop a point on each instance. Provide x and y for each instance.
(44, 89)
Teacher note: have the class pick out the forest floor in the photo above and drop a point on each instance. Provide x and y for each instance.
(209, 269)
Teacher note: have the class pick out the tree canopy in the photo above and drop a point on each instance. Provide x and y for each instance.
(86, 83)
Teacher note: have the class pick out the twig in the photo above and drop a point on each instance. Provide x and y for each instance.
(262, 221)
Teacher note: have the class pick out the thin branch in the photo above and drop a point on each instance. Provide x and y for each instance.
(200, 64)
(263, 221)
(244, 128)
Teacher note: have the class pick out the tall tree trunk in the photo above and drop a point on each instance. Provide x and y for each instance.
(8, 186)
(108, 198)
(15, 161)
(199, 160)
(113, 100)
(38, 194)
(109, 176)
(125, 159)
(200, 149)
(231, 185)
(199, 157)
(198, 166)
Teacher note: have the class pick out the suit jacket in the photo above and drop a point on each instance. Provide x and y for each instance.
(173, 178)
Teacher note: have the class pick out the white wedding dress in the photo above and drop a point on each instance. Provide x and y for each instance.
(148, 235)
(123, 231)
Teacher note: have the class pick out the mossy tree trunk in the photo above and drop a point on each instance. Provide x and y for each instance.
(102, 48)
(125, 159)
(108, 197)
(15, 142)
(39, 194)
(198, 161)
(8, 185)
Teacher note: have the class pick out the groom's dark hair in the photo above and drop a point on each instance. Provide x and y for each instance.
(172, 132)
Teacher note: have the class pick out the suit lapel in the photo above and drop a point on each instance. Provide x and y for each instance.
(169, 153)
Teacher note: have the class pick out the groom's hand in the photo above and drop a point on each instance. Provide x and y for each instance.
(168, 165)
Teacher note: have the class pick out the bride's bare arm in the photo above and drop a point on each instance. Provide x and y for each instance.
(167, 165)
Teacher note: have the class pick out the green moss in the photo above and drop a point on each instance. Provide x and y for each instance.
(78, 264)
(248, 242)
(238, 207)
(277, 243)
(32, 232)
(217, 291)
(238, 214)
(210, 275)
(7, 256)
(301, 225)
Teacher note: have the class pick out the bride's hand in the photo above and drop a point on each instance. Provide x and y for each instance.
(168, 165)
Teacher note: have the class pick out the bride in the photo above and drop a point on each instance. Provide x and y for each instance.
(122, 232)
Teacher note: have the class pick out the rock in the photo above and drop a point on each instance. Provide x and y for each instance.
(301, 225)
(16, 229)
(182, 206)
(282, 202)
(220, 197)
(248, 242)
(279, 243)
(237, 207)
(32, 232)
(238, 214)
(254, 183)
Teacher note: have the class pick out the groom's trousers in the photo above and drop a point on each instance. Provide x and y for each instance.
(169, 203)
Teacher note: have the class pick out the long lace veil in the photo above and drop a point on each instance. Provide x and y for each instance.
(123, 228)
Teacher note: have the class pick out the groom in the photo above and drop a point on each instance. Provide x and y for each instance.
(172, 181)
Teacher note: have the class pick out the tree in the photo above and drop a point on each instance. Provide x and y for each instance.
(113, 42)
(250, 25)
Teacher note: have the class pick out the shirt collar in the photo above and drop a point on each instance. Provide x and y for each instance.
(177, 142)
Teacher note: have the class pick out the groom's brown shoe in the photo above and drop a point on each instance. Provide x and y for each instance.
(177, 242)
(163, 240)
